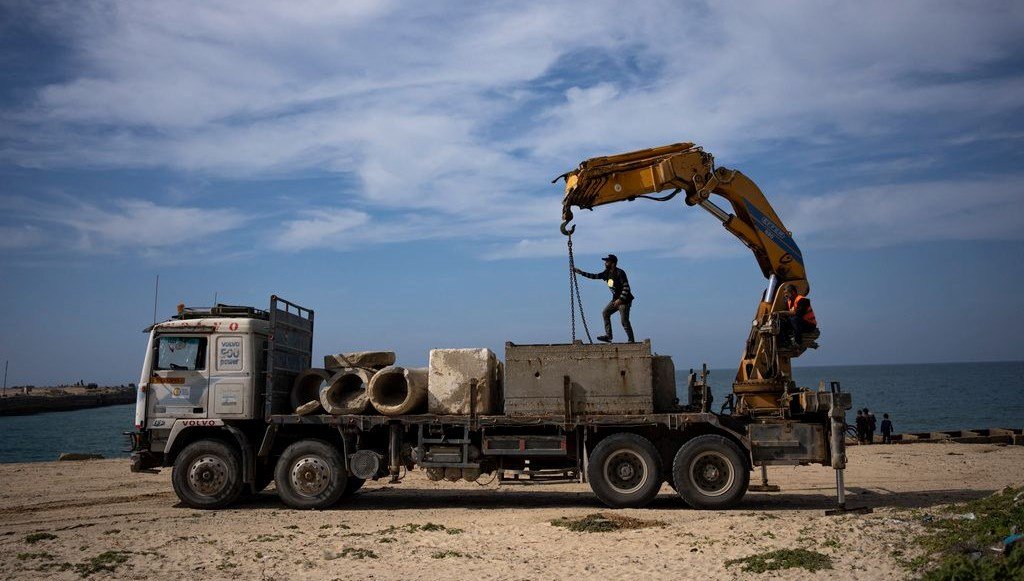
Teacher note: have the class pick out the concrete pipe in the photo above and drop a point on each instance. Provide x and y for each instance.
(345, 392)
(452, 474)
(435, 474)
(307, 386)
(395, 390)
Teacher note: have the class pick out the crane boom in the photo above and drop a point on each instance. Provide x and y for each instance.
(686, 167)
(765, 373)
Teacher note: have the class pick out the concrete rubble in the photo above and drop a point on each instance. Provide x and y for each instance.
(451, 374)
(396, 390)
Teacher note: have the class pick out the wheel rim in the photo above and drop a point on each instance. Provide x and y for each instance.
(310, 476)
(626, 471)
(712, 473)
(208, 475)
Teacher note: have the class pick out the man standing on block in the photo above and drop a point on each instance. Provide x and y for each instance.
(622, 297)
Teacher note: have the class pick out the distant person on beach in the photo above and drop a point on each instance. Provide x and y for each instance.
(862, 427)
(872, 426)
(799, 316)
(886, 429)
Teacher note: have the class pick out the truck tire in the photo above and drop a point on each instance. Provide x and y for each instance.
(207, 474)
(709, 472)
(624, 471)
(352, 486)
(310, 475)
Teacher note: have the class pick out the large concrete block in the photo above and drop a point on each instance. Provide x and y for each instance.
(451, 374)
(613, 378)
(369, 359)
(665, 397)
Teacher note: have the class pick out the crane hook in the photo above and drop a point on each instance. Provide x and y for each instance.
(567, 231)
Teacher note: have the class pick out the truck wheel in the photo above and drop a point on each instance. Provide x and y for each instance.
(352, 486)
(310, 475)
(625, 471)
(709, 472)
(207, 474)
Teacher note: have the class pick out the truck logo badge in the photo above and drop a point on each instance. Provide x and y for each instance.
(190, 423)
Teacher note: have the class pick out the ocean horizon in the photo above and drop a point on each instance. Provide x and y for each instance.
(919, 397)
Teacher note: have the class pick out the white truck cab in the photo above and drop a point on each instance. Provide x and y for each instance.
(202, 366)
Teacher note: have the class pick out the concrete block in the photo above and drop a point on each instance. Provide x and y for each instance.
(345, 392)
(451, 372)
(396, 391)
(665, 397)
(369, 359)
(613, 378)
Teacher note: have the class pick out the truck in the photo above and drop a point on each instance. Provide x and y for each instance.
(216, 398)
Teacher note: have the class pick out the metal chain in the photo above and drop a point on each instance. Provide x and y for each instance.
(574, 286)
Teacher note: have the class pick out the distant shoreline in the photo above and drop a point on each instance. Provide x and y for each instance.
(43, 400)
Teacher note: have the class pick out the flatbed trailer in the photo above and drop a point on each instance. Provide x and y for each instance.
(222, 418)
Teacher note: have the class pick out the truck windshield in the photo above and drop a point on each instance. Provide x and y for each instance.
(181, 353)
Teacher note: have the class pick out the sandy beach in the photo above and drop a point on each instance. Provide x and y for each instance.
(72, 519)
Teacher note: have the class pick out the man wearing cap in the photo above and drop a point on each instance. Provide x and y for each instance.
(622, 297)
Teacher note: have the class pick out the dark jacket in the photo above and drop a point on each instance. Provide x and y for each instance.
(617, 282)
(886, 427)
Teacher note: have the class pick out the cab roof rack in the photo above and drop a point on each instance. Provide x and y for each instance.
(222, 310)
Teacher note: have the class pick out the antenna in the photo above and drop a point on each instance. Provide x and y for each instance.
(156, 295)
(5, 376)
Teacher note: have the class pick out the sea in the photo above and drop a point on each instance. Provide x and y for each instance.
(917, 397)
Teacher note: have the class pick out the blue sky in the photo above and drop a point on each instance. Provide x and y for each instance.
(388, 164)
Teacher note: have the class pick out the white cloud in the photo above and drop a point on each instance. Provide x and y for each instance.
(927, 211)
(20, 237)
(325, 228)
(455, 117)
(123, 225)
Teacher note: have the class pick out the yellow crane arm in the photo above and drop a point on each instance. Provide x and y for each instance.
(686, 167)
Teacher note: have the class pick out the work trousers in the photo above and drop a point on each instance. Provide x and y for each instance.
(799, 326)
(623, 310)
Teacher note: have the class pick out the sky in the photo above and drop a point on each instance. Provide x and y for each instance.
(389, 165)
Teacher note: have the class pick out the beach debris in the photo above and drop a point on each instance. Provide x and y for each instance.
(75, 456)
(1012, 542)
(965, 516)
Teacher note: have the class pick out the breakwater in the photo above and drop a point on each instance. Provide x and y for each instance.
(57, 400)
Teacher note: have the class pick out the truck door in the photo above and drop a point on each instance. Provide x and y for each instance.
(231, 380)
(181, 377)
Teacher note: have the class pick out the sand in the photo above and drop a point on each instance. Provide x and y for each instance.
(489, 532)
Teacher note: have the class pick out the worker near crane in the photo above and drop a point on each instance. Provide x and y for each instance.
(622, 297)
(799, 314)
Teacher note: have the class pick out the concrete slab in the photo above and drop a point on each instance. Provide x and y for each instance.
(370, 359)
(451, 373)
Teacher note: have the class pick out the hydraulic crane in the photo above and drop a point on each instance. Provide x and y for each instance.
(763, 384)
